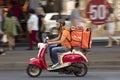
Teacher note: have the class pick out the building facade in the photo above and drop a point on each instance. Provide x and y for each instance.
(68, 5)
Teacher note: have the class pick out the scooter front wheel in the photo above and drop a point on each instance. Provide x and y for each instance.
(33, 70)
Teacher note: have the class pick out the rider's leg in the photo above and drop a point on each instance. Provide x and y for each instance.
(50, 50)
(55, 50)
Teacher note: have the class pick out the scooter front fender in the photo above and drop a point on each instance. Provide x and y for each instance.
(35, 61)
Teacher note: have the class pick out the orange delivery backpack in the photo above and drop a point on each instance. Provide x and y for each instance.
(81, 37)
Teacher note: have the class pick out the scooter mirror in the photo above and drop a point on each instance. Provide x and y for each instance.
(45, 37)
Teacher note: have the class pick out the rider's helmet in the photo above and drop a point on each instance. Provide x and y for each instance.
(61, 21)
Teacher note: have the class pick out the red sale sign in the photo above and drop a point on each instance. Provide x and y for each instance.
(97, 11)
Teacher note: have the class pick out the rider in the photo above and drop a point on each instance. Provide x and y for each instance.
(60, 43)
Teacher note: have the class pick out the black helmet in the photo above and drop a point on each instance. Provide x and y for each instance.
(62, 21)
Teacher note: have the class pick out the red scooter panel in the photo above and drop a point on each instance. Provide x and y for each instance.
(35, 61)
(73, 58)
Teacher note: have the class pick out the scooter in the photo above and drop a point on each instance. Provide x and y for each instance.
(72, 62)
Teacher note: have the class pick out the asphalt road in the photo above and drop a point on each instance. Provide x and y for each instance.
(91, 75)
(99, 57)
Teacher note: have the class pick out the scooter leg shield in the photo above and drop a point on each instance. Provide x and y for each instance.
(35, 61)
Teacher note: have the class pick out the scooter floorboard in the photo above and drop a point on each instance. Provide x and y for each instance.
(59, 67)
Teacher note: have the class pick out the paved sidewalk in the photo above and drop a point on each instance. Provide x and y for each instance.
(100, 57)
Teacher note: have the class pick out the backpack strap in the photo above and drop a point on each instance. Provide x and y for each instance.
(70, 37)
(70, 30)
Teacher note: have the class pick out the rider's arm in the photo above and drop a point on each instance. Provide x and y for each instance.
(57, 41)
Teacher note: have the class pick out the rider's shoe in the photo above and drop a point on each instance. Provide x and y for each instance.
(58, 66)
(55, 65)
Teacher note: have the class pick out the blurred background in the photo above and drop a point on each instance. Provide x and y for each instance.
(61, 6)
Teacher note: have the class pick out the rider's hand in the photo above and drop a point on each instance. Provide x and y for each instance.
(49, 42)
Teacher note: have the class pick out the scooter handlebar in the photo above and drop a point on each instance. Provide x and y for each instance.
(41, 45)
(45, 42)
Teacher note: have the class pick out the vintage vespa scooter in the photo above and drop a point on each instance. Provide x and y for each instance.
(72, 62)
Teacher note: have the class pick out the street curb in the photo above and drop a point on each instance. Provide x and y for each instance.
(91, 65)
(94, 60)
(94, 43)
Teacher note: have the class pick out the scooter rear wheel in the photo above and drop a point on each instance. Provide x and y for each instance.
(82, 70)
(33, 71)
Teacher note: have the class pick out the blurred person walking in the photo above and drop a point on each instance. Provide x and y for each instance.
(32, 25)
(31, 4)
(110, 28)
(34, 4)
(1, 19)
(16, 9)
(1, 29)
(2, 51)
(41, 23)
(10, 27)
(75, 16)
(76, 19)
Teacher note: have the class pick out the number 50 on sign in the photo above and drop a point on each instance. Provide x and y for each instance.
(97, 11)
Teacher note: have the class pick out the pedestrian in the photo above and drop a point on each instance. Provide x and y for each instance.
(110, 28)
(11, 24)
(41, 16)
(17, 10)
(76, 19)
(60, 43)
(32, 25)
(1, 19)
(31, 4)
(1, 27)
(2, 51)
(34, 4)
